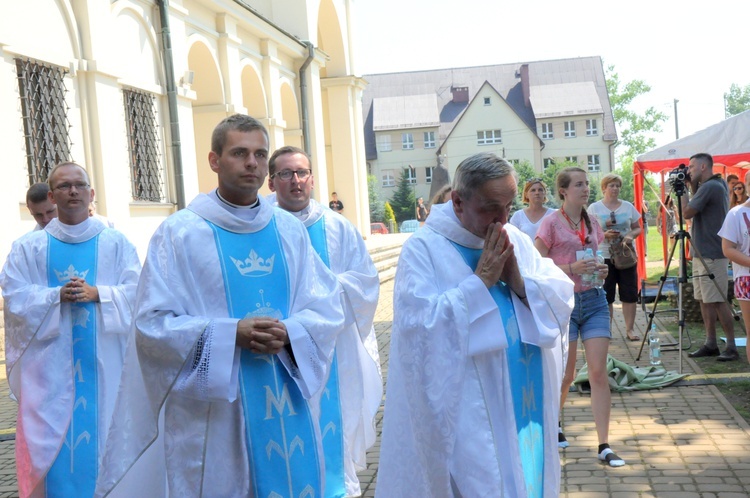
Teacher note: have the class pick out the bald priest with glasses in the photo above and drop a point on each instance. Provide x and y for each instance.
(69, 290)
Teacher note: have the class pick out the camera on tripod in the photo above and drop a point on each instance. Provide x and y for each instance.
(677, 178)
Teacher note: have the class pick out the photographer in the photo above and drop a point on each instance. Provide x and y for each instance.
(707, 208)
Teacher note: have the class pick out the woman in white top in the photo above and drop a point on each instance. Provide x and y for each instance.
(735, 244)
(528, 219)
(622, 223)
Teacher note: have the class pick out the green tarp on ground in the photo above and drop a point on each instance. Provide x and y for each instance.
(624, 377)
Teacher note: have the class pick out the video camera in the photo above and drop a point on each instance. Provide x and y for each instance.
(677, 179)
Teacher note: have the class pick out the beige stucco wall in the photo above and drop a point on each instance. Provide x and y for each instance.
(240, 63)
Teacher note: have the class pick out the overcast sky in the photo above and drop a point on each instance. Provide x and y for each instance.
(688, 51)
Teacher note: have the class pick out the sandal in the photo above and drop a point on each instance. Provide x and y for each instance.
(633, 337)
(610, 458)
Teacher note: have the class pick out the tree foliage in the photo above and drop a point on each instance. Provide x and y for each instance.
(390, 218)
(377, 210)
(403, 201)
(633, 127)
(737, 100)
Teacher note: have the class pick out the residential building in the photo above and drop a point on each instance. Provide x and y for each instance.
(131, 89)
(537, 112)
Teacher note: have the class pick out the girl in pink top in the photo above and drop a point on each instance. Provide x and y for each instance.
(564, 236)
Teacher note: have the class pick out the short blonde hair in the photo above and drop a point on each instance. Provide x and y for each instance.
(527, 186)
(610, 178)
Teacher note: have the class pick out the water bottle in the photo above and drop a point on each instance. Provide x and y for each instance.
(654, 347)
(597, 280)
(586, 278)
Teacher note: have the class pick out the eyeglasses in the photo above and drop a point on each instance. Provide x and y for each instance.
(533, 180)
(65, 187)
(286, 174)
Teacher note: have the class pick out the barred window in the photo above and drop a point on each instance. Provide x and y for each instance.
(145, 170)
(45, 117)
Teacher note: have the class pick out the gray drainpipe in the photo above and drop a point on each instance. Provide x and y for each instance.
(174, 124)
(303, 95)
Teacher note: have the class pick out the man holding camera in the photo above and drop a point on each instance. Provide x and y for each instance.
(707, 208)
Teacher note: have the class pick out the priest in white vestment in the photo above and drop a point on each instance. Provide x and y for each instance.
(40, 207)
(69, 290)
(236, 321)
(480, 324)
(354, 389)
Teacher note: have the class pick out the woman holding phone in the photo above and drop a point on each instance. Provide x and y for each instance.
(622, 223)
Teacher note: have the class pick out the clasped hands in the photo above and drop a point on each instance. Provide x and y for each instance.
(76, 290)
(498, 261)
(262, 335)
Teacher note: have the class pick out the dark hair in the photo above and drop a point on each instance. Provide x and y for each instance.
(705, 157)
(37, 193)
(476, 170)
(438, 197)
(287, 149)
(62, 164)
(238, 122)
(564, 176)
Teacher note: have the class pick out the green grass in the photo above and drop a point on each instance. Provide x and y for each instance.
(737, 392)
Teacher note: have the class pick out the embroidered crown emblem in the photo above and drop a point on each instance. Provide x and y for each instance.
(71, 272)
(254, 265)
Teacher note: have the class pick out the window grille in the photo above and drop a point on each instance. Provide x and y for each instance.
(145, 170)
(45, 117)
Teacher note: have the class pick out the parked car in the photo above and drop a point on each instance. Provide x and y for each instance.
(378, 228)
(409, 226)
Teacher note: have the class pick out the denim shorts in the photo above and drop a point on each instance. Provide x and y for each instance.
(590, 317)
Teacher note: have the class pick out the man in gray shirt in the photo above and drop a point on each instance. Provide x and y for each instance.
(707, 208)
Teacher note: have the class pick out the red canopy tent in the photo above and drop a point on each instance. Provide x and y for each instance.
(729, 144)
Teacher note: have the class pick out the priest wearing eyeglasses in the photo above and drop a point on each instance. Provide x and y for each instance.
(354, 389)
(69, 290)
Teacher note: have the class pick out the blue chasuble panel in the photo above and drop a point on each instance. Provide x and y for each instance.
(280, 435)
(74, 472)
(525, 367)
(331, 419)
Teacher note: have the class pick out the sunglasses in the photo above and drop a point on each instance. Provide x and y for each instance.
(533, 180)
(739, 188)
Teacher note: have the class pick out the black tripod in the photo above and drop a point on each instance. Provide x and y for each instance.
(680, 237)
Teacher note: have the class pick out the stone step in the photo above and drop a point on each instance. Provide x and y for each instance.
(385, 258)
(384, 253)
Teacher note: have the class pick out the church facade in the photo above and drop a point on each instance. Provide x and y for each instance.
(131, 90)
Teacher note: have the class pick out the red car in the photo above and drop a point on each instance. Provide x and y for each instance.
(378, 228)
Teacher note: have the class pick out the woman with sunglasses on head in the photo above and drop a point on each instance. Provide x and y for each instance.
(738, 195)
(564, 236)
(528, 219)
(622, 224)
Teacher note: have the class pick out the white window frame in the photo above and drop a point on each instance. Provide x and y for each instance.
(429, 140)
(489, 137)
(572, 159)
(591, 128)
(384, 143)
(428, 174)
(407, 141)
(570, 129)
(388, 179)
(594, 163)
(547, 162)
(547, 131)
(411, 175)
